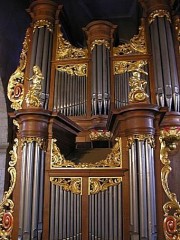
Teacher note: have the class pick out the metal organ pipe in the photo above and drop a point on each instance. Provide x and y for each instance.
(100, 80)
(41, 56)
(142, 190)
(166, 78)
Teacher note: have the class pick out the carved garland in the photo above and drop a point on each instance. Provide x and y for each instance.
(76, 69)
(72, 184)
(100, 42)
(113, 160)
(15, 89)
(43, 23)
(7, 205)
(137, 45)
(169, 139)
(159, 13)
(97, 185)
(141, 137)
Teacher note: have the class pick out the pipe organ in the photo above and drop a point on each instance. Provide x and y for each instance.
(67, 99)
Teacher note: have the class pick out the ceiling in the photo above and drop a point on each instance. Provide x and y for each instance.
(75, 15)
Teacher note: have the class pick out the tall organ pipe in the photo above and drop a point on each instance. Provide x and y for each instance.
(31, 196)
(142, 191)
(41, 56)
(166, 77)
(100, 80)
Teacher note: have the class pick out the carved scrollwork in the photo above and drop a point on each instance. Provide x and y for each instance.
(141, 137)
(42, 23)
(113, 159)
(72, 184)
(33, 97)
(66, 51)
(100, 42)
(101, 184)
(40, 141)
(137, 45)
(121, 67)
(177, 29)
(7, 205)
(159, 13)
(169, 140)
(15, 89)
(96, 135)
(76, 69)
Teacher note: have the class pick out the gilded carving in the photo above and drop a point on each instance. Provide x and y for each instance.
(137, 92)
(66, 51)
(7, 205)
(137, 45)
(42, 23)
(159, 13)
(121, 67)
(96, 135)
(40, 141)
(33, 97)
(15, 89)
(113, 159)
(100, 42)
(72, 184)
(76, 69)
(15, 122)
(169, 140)
(97, 185)
(141, 137)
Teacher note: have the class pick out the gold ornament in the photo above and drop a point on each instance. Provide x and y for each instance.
(33, 97)
(100, 135)
(100, 42)
(97, 185)
(72, 184)
(177, 30)
(15, 89)
(7, 205)
(169, 139)
(121, 67)
(40, 141)
(76, 69)
(66, 51)
(141, 137)
(113, 160)
(159, 13)
(137, 45)
(43, 23)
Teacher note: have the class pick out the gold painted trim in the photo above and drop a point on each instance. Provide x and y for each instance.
(40, 141)
(159, 13)
(75, 69)
(66, 51)
(15, 122)
(7, 205)
(100, 42)
(15, 89)
(141, 137)
(72, 184)
(169, 140)
(101, 184)
(43, 23)
(113, 159)
(137, 45)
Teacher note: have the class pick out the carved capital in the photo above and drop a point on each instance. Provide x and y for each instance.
(99, 30)
(155, 5)
(43, 10)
